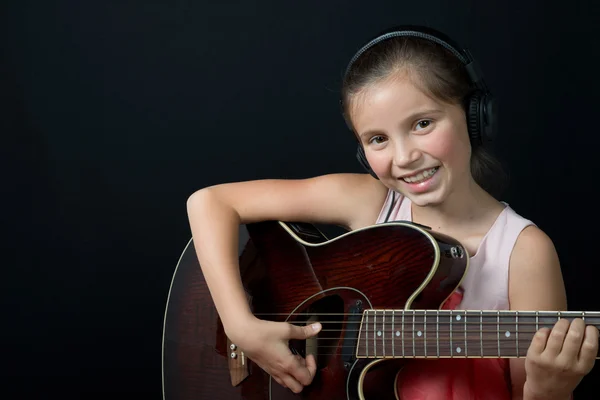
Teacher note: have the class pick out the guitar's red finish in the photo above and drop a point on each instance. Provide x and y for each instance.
(380, 267)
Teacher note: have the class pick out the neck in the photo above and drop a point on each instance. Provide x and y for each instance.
(455, 333)
(467, 202)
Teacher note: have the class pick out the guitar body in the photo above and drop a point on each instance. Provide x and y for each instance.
(292, 273)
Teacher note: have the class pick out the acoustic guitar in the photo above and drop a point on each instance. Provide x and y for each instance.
(377, 292)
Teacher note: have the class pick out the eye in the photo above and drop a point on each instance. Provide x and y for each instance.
(425, 123)
(377, 139)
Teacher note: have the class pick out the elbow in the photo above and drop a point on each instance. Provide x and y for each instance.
(206, 202)
(200, 198)
(197, 195)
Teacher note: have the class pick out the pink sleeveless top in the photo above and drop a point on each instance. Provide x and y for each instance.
(485, 287)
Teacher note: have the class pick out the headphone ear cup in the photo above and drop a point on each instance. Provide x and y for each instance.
(474, 119)
(488, 117)
(481, 118)
(362, 159)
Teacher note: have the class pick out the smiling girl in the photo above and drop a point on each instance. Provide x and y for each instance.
(421, 115)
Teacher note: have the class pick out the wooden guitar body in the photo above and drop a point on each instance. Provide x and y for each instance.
(292, 273)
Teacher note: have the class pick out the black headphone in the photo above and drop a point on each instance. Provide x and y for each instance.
(481, 106)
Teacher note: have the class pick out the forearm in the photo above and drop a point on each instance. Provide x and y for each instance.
(215, 230)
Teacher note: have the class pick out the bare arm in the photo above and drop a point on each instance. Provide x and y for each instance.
(215, 213)
(550, 370)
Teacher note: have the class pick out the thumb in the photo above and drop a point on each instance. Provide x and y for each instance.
(304, 332)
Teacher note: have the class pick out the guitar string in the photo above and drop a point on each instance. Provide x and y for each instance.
(457, 330)
(421, 313)
(422, 323)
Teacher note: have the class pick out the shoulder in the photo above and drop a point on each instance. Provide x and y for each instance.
(535, 276)
(533, 249)
(355, 200)
(361, 192)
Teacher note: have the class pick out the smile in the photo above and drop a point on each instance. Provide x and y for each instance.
(421, 176)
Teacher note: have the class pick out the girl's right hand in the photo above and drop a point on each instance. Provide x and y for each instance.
(266, 344)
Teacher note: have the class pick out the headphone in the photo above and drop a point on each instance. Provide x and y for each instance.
(481, 111)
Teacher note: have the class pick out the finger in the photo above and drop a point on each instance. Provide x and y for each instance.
(556, 338)
(278, 380)
(538, 343)
(291, 383)
(311, 365)
(573, 339)
(300, 372)
(589, 349)
(303, 332)
(300, 360)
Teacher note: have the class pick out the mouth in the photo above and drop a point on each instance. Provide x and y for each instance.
(421, 176)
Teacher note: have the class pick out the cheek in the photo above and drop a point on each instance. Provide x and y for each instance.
(448, 147)
(380, 162)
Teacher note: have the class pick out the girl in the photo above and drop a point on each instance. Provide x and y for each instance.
(420, 113)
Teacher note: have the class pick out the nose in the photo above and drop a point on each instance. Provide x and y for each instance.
(405, 153)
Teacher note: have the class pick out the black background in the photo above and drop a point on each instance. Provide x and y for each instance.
(114, 112)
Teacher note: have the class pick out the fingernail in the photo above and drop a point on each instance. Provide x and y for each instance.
(316, 326)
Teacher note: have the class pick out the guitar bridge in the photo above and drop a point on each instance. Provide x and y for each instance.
(238, 364)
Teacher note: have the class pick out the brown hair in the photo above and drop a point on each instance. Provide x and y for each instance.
(432, 69)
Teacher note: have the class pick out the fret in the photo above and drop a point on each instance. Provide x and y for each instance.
(488, 334)
(383, 335)
(430, 337)
(402, 330)
(459, 330)
(498, 331)
(419, 328)
(527, 322)
(547, 319)
(517, 330)
(437, 336)
(425, 333)
(413, 334)
(465, 318)
(379, 333)
(374, 334)
(481, 333)
(393, 335)
(367, 334)
(451, 344)
(506, 334)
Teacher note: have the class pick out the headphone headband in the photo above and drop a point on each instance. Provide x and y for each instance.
(463, 55)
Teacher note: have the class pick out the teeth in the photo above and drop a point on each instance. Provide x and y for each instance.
(421, 176)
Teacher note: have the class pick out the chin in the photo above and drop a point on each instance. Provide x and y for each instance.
(425, 200)
(429, 199)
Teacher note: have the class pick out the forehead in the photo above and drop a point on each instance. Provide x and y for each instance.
(392, 99)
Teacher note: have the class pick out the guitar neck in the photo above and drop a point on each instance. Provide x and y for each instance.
(454, 333)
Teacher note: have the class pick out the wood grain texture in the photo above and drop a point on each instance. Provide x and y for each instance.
(379, 267)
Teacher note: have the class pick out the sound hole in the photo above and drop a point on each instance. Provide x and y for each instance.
(329, 311)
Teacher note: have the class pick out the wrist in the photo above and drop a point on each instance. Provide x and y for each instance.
(530, 394)
(235, 325)
(551, 397)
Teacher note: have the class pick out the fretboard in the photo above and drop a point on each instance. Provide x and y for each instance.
(445, 333)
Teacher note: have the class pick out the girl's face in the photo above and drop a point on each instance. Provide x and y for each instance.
(415, 144)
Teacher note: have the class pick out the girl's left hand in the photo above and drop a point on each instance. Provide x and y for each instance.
(558, 360)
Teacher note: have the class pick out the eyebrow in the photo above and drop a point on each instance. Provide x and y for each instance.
(411, 117)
